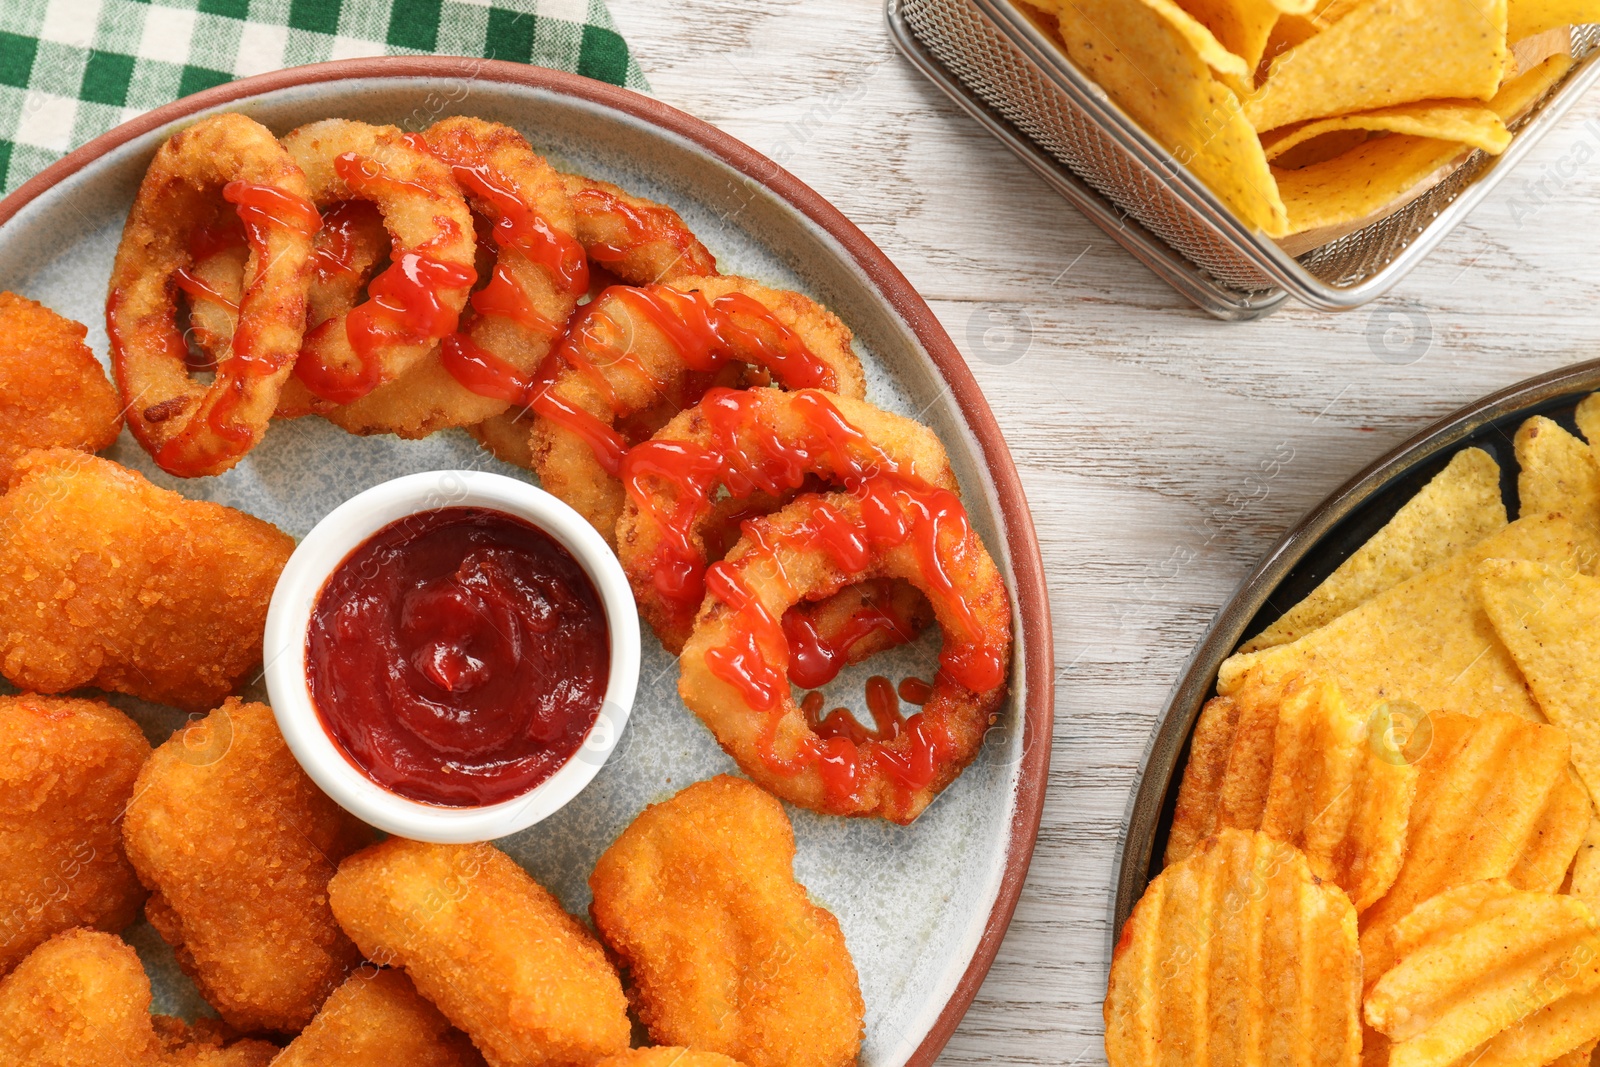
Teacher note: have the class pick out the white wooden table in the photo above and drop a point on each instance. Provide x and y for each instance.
(1139, 424)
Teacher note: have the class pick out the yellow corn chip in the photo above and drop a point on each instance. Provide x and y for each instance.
(1427, 640)
(1386, 52)
(1367, 183)
(1495, 799)
(1578, 1057)
(1488, 974)
(1311, 151)
(1466, 124)
(1524, 18)
(1237, 955)
(1549, 618)
(1521, 93)
(1586, 866)
(1459, 507)
(1243, 26)
(1559, 474)
(1300, 767)
(1588, 419)
(1289, 31)
(1141, 56)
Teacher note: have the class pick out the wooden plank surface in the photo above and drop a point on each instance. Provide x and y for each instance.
(1163, 452)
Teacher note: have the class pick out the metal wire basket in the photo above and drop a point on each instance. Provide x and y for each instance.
(990, 58)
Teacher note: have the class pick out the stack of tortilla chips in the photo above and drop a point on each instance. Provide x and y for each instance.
(1313, 118)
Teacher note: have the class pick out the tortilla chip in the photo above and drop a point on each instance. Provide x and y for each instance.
(1459, 507)
(1243, 26)
(1442, 120)
(1370, 181)
(1313, 150)
(1289, 31)
(1150, 67)
(1559, 473)
(1386, 52)
(1586, 866)
(1428, 641)
(1524, 18)
(1521, 93)
(1549, 618)
(1588, 419)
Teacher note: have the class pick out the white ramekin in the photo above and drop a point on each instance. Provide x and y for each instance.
(340, 533)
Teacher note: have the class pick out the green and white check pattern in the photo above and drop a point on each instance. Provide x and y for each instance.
(72, 69)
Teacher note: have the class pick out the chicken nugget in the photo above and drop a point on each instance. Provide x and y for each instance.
(725, 950)
(53, 393)
(668, 1056)
(489, 946)
(79, 1000)
(67, 769)
(209, 1043)
(378, 1017)
(114, 583)
(237, 846)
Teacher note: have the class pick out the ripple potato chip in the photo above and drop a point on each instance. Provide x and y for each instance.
(1298, 765)
(1459, 507)
(1495, 799)
(1487, 974)
(1386, 52)
(1558, 472)
(1144, 55)
(1238, 955)
(1550, 620)
(1427, 640)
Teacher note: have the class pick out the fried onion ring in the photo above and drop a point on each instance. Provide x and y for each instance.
(730, 446)
(634, 357)
(638, 240)
(537, 275)
(193, 428)
(734, 663)
(418, 299)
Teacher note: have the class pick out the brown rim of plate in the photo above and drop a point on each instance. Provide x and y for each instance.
(1033, 599)
(1495, 414)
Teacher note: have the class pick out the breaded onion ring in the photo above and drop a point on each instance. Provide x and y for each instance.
(418, 299)
(638, 240)
(634, 357)
(730, 446)
(537, 273)
(189, 427)
(734, 663)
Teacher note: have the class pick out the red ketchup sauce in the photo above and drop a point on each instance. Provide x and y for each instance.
(458, 657)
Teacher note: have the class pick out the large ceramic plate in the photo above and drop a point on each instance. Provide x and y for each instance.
(923, 907)
(1301, 560)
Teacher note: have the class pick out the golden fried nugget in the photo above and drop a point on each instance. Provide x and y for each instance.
(114, 583)
(1457, 509)
(237, 846)
(209, 1043)
(1496, 798)
(668, 1056)
(377, 1017)
(53, 393)
(79, 1000)
(1490, 975)
(1427, 640)
(1294, 761)
(725, 950)
(489, 946)
(1558, 473)
(67, 769)
(1238, 955)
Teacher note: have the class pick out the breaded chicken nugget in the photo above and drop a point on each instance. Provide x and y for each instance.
(489, 946)
(53, 393)
(237, 846)
(80, 1000)
(66, 772)
(209, 1043)
(668, 1056)
(112, 582)
(725, 950)
(377, 1017)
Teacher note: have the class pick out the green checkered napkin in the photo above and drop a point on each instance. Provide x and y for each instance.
(72, 69)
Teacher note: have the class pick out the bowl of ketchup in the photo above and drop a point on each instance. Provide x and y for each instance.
(452, 655)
